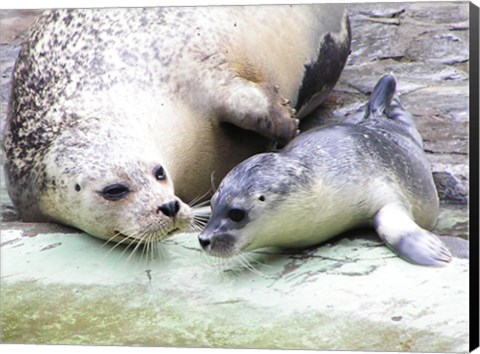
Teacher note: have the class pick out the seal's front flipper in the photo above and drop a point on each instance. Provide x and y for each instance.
(260, 108)
(401, 234)
(381, 96)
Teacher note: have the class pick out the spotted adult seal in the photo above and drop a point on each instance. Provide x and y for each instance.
(118, 117)
(332, 179)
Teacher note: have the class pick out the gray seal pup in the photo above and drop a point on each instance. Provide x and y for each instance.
(332, 179)
(119, 117)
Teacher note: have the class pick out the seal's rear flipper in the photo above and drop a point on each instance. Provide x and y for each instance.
(401, 234)
(382, 96)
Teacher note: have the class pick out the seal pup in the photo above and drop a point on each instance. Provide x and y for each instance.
(118, 117)
(332, 179)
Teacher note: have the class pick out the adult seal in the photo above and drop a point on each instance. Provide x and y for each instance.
(119, 117)
(332, 179)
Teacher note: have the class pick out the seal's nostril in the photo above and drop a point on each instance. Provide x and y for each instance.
(169, 209)
(204, 242)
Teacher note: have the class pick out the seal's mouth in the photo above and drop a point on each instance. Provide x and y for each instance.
(222, 245)
(171, 232)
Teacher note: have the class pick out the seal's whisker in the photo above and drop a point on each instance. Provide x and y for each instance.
(201, 204)
(197, 225)
(206, 259)
(231, 264)
(201, 218)
(194, 224)
(146, 240)
(154, 244)
(200, 221)
(129, 244)
(114, 246)
(139, 244)
(160, 249)
(137, 236)
(151, 247)
(141, 256)
(143, 238)
(193, 202)
(193, 229)
(123, 242)
(126, 248)
(146, 250)
(203, 212)
(204, 218)
(157, 245)
(244, 261)
(250, 257)
(219, 264)
(110, 240)
(226, 265)
(214, 262)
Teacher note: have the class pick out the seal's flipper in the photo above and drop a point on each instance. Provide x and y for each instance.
(401, 234)
(385, 107)
(259, 108)
(382, 96)
(396, 112)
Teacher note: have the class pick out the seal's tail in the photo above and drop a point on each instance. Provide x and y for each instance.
(381, 97)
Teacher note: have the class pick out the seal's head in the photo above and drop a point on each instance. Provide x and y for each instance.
(122, 195)
(251, 207)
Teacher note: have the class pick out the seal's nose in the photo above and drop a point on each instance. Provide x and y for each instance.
(170, 209)
(204, 242)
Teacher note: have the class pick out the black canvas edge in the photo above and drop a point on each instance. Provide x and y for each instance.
(474, 179)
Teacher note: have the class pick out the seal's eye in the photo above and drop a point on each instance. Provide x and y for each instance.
(236, 215)
(115, 192)
(159, 173)
(261, 198)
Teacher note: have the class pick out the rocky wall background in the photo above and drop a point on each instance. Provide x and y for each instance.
(426, 46)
